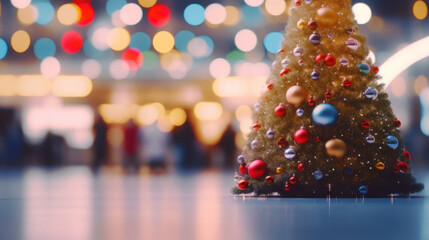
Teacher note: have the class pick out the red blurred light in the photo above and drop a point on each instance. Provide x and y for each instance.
(133, 57)
(71, 42)
(87, 14)
(81, 1)
(159, 15)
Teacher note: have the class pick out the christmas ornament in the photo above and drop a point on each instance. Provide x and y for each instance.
(298, 51)
(374, 69)
(256, 126)
(344, 61)
(317, 139)
(254, 145)
(363, 190)
(407, 155)
(256, 106)
(285, 62)
(352, 43)
(297, 3)
(371, 93)
(296, 95)
(311, 101)
(350, 30)
(279, 170)
(315, 75)
(397, 123)
(300, 167)
(269, 179)
(270, 86)
(300, 112)
(281, 51)
(320, 58)
(271, 133)
(347, 83)
(330, 60)
(257, 169)
(307, 1)
(330, 35)
(326, 17)
(325, 114)
(243, 185)
(301, 24)
(302, 136)
(336, 148)
(315, 38)
(241, 159)
(348, 171)
(287, 187)
(292, 180)
(285, 72)
(370, 139)
(328, 94)
(280, 110)
(392, 142)
(242, 169)
(290, 153)
(301, 62)
(318, 175)
(365, 124)
(380, 166)
(401, 167)
(282, 143)
(364, 68)
(312, 25)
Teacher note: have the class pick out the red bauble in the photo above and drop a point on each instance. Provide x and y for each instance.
(347, 83)
(292, 180)
(401, 166)
(257, 169)
(365, 124)
(287, 187)
(270, 86)
(407, 155)
(312, 25)
(243, 184)
(374, 69)
(397, 123)
(256, 126)
(298, 3)
(269, 179)
(242, 169)
(285, 71)
(328, 94)
(281, 51)
(300, 167)
(330, 60)
(282, 142)
(317, 139)
(280, 110)
(311, 101)
(302, 136)
(319, 58)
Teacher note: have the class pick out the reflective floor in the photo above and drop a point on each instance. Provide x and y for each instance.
(72, 204)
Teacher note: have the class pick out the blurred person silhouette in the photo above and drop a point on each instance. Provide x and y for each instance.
(154, 148)
(184, 145)
(227, 146)
(13, 141)
(130, 146)
(100, 146)
(53, 148)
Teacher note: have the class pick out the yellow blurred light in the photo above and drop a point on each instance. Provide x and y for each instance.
(243, 113)
(117, 113)
(376, 24)
(240, 141)
(246, 127)
(238, 86)
(420, 10)
(177, 117)
(420, 84)
(118, 39)
(149, 113)
(164, 124)
(33, 85)
(275, 7)
(8, 85)
(233, 16)
(68, 14)
(210, 132)
(28, 15)
(72, 86)
(163, 42)
(208, 111)
(20, 41)
(399, 86)
(147, 3)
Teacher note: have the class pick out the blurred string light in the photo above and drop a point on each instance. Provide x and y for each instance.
(71, 86)
(362, 13)
(20, 41)
(28, 15)
(208, 111)
(118, 69)
(233, 16)
(420, 10)
(33, 86)
(182, 38)
(159, 15)
(201, 46)
(140, 41)
(91, 68)
(50, 67)
(252, 15)
(244, 116)
(420, 84)
(114, 5)
(151, 60)
(272, 41)
(236, 86)
(133, 57)
(118, 39)
(8, 85)
(194, 14)
(163, 42)
(3, 48)
(87, 14)
(147, 3)
(46, 12)
(150, 113)
(99, 38)
(116, 19)
(235, 56)
(220, 68)
(131, 14)
(44, 47)
(71, 42)
(68, 14)
(245, 40)
(215, 13)
(254, 3)
(212, 122)
(177, 117)
(20, 3)
(275, 7)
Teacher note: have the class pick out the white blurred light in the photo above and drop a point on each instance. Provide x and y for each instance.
(215, 13)
(220, 68)
(254, 3)
(362, 13)
(246, 40)
(371, 56)
(197, 47)
(118, 69)
(275, 7)
(20, 3)
(177, 70)
(99, 38)
(50, 67)
(91, 68)
(116, 19)
(131, 14)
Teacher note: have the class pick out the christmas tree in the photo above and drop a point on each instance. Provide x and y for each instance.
(323, 125)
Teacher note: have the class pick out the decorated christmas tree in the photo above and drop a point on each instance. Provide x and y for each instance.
(323, 125)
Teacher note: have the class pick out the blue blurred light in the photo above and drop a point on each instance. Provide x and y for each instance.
(44, 47)
(194, 14)
(90, 51)
(3, 48)
(140, 41)
(150, 60)
(182, 39)
(210, 44)
(46, 12)
(252, 15)
(114, 5)
(272, 42)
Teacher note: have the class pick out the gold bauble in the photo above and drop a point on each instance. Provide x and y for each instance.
(326, 17)
(301, 24)
(380, 166)
(279, 170)
(336, 148)
(296, 95)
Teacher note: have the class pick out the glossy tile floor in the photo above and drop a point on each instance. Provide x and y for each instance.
(72, 204)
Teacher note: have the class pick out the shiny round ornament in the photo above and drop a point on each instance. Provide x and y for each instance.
(371, 93)
(350, 30)
(363, 190)
(397, 123)
(320, 58)
(241, 159)
(279, 170)
(330, 60)
(365, 124)
(326, 17)
(344, 61)
(298, 3)
(296, 95)
(318, 175)
(401, 167)
(307, 1)
(288, 187)
(271, 133)
(290, 153)
(243, 185)
(315, 38)
(256, 107)
(285, 62)
(312, 25)
(352, 43)
(364, 68)
(347, 83)
(301, 62)
(280, 110)
(298, 51)
(302, 136)
(300, 167)
(242, 169)
(300, 112)
(282, 143)
(270, 86)
(254, 144)
(392, 142)
(256, 127)
(269, 179)
(380, 166)
(336, 148)
(292, 180)
(285, 72)
(311, 101)
(348, 171)
(370, 139)
(328, 94)
(325, 114)
(374, 69)
(301, 24)
(407, 155)
(257, 169)
(315, 75)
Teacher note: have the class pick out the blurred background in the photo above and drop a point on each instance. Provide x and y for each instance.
(156, 86)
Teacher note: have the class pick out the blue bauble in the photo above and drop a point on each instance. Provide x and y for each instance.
(392, 142)
(363, 190)
(364, 68)
(318, 175)
(325, 114)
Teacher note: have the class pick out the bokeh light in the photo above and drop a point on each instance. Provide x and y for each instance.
(220, 68)
(91, 68)
(20, 41)
(254, 3)
(252, 15)
(371, 57)
(44, 47)
(399, 87)
(140, 41)
(28, 15)
(133, 57)
(87, 14)
(208, 111)
(116, 19)
(71, 86)
(149, 113)
(68, 14)
(99, 38)
(3, 48)
(20, 3)
(50, 67)
(182, 38)
(235, 56)
(275, 7)
(159, 15)
(118, 69)
(420, 10)
(362, 13)
(215, 13)
(118, 39)
(114, 5)
(194, 14)
(151, 60)
(90, 51)
(177, 117)
(198, 47)
(71, 42)
(376, 24)
(163, 42)
(246, 40)
(272, 41)
(147, 3)
(46, 12)
(131, 14)
(420, 84)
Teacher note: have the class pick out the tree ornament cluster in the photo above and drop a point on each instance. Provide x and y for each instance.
(324, 125)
